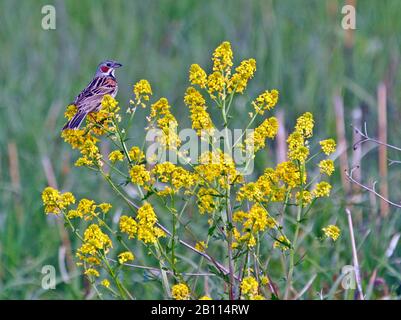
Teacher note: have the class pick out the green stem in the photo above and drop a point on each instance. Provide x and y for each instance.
(131, 118)
(163, 272)
(121, 288)
(129, 202)
(296, 235)
(247, 127)
(229, 244)
(173, 236)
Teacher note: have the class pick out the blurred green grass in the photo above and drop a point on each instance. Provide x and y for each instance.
(299, 48)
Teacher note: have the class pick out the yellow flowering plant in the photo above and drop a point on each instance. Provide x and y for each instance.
(243, 214)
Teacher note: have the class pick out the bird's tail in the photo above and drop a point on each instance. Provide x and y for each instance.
(76, 121)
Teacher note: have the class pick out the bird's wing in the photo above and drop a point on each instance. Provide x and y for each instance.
(91, 97)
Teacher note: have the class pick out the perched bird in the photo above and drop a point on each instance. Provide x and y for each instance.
(90, 99)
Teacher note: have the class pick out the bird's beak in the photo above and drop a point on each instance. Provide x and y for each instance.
(117, 65)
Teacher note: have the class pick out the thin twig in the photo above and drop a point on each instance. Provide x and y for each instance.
(365, 138)
(355, 256)
(306, 287)
(382, 128)
(157, 270)
(370, 189)
(391, 162)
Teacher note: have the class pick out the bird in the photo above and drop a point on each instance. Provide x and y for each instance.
(90, 99)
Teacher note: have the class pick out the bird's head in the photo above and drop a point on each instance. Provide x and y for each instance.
(107, 68)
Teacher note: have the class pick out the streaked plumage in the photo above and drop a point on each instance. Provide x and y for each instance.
(89, 100)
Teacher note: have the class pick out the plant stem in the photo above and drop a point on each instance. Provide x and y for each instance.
(163, 272)
(229, 244)
(173, 236)
(296, 234)
(247, 127)
(123, 291)
(292, 255)
(355, 255)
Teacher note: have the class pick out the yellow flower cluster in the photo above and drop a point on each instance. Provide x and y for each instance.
(332, 231)
(267, 187)
(180, 291)
(256, 140)
(70, 111)
(304, 198)
(243, 73)
(85, 139)
(326, 166)
(105, 283)
(328, 146)
(282, 243)
(254, 221)
(76, 138)
(273, 184)
(201, 246)
(252, 191)
(54, 201)
(94, 241)
(297, 148)
(116, 155)
(247, 238)
(136, 155)
(257, 219)
(109, 106)
(300, 154)
(219, 83)
(86, 209)
(322, 189)
(265, 101)
(139, 175)
(166, 122)
(305, 124)
(103, 121)
(200, 118)
(216, 84)
(147, 232)
(123, 257)
(92, 272)
(268, 184)
(289, 173)
(90, 155)
(177, 177)
(249, 287)
(218, 167)
(129, 226)
(142, 90)
(197, 76)
(206, 200)
(223, 58)
(144, 226)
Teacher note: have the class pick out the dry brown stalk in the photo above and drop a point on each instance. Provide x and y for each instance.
(355, 256)
(382, 115)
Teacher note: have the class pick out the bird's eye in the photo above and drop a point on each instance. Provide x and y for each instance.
(109, 65)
